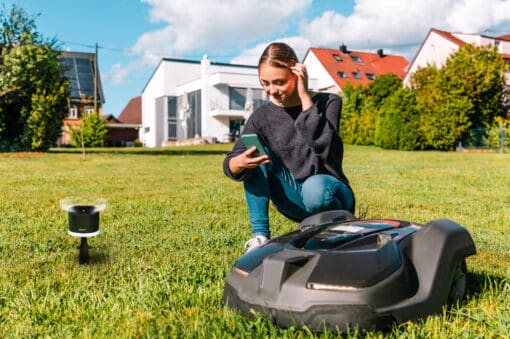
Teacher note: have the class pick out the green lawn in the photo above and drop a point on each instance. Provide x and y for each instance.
(175, 225)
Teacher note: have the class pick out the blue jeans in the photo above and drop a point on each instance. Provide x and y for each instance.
(293, 198)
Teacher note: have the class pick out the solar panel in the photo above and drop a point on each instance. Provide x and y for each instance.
(79, 69)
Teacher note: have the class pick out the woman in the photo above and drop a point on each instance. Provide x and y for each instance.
(302, 171)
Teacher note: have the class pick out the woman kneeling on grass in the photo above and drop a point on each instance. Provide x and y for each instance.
(302, 171)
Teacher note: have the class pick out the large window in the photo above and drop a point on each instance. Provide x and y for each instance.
(172, 118)
(237, 98)
(184, 116)
(246, 98)
(194, 123)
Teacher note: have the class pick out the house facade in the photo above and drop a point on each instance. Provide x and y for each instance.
(85, 89)
(187, 99)
(334, 68)
(439, 45)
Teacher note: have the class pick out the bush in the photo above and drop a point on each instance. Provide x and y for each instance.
(397, 126)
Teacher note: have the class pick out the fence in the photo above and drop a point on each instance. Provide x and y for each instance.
(487, 138)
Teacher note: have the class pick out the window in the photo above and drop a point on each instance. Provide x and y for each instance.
(89, 109)
(172, 107)
(73, 112)
(370, 76)
(172, 117)
(356, 75)
(194, 123)
(259, 98)
(337, 57)
(356, 59)
(341, 74)
(237, 98)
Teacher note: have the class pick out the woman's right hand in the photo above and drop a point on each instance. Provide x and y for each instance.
(245, 160)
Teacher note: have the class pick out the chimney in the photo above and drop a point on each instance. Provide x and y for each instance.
(380, 52)
(343, 48)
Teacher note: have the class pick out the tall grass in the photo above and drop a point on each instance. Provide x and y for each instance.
(175, 225)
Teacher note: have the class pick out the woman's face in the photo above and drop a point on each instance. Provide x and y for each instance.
(278, 83)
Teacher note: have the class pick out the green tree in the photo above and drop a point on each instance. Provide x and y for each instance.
(31, 81)
(361, 110)
(466, 93)
(398, 123)
(91, 131)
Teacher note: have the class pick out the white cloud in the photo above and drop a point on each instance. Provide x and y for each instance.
(216, 26)
(238, 30)
(251, 56)
(401, 25)
(117, 74)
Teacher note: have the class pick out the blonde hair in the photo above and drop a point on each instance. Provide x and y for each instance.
(278, 54)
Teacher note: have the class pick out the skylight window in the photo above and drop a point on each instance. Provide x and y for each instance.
(356, 75)
(356, 59)
(370, 76)
(341, 74)
(337, 57)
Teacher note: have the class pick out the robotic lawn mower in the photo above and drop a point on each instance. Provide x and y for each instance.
(337, 272)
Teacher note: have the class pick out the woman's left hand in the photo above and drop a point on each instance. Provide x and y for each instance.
(302, 85)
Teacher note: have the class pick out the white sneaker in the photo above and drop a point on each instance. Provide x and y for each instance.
(255, 242)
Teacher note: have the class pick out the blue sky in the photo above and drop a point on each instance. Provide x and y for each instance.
(133, 35)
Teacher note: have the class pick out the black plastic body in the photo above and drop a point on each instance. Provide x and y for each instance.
(83, 219)
(338, 272)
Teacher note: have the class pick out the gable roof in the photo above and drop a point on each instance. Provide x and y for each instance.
(110, 118)
(365, 65)
(132, 113)
(454, 38)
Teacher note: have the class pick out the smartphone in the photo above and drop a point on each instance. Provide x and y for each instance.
(250, 140)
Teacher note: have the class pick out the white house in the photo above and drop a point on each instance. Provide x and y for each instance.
(334, 68)
(439, 45)
(184, 99)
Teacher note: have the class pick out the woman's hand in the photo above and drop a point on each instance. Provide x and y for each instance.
(302, 85)
(246, 160)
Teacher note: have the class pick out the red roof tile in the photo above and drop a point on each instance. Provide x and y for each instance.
(368, 63)
(132, 113)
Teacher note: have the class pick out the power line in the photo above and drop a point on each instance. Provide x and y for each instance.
(141, 53)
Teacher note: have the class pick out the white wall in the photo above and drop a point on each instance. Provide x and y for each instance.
(320, 77)
(434, 51)
(176, 77)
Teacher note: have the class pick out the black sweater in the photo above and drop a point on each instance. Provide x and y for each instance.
(307, 142)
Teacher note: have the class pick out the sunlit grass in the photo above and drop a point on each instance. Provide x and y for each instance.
(175, 225)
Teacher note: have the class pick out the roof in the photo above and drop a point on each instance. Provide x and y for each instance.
(110, 118)
(453, 39)
(79, 68)
(132, 113)
(342, 65)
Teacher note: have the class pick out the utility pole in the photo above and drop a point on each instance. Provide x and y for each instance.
(95, 79)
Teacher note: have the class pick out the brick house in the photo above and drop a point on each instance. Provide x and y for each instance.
(85, 89)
